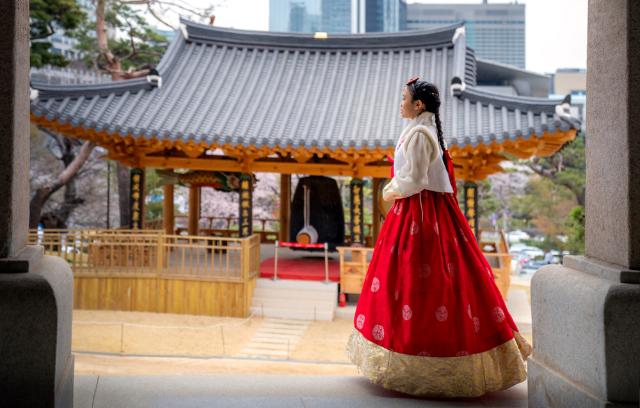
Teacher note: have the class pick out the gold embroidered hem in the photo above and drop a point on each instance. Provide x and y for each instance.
(466, 376)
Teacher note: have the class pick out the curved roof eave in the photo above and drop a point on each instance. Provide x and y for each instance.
(181, 110)
(365, 41)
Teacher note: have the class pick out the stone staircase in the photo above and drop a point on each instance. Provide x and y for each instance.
(295, 299)
(276, 338)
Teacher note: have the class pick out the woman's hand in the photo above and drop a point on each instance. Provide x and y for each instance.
(390, 192)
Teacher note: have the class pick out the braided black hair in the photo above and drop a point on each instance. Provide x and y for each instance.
(430, 96)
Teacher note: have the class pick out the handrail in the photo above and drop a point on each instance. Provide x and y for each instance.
(152, 253)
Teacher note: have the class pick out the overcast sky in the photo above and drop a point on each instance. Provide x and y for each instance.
(556, 30)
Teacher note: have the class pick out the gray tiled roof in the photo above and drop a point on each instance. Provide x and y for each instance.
(223, 85)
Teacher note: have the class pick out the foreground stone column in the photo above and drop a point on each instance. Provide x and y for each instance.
(586, 312)
(36, 368)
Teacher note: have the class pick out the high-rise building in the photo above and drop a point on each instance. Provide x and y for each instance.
(385, 15)
(65, 45)
(570, 81)
(295, 15)
(337, 16)
(495, 31)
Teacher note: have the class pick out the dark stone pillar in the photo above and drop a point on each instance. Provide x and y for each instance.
(357, 211)
(586, 312)
(246, 205)
(285, 207)
(376, 210)
(14, 127)
(471, 205)
(36, 368)
(136, 198)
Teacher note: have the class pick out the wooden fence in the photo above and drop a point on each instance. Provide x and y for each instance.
(147, 270)
(354, 263)
(218, 226)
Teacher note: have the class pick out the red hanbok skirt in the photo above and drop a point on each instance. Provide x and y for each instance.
(430, 319)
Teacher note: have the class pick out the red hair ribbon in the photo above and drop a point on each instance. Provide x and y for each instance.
(412, 80)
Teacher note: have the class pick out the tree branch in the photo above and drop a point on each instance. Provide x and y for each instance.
(154, 14)
(78, 161)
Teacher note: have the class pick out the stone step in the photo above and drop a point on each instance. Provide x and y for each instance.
(296, 284)
(284, 321)
(276, 337)
(271, 340)
(263, 353)
(294, 313)
(293, 294)
(294, 303)
(298, 325)
(268, 346)
(282, 330)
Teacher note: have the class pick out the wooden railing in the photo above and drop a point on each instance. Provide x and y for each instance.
(354, 262)
(495, 248)
(500, 263)
(153, 253)
(207, 227)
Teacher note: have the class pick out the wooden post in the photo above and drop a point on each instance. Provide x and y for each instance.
(136, 198)
(471, 205)
(168, 219)
(160, 254)
(246, 205)
(357, 214)
(194, 210)
(285, 207)
(376, 210)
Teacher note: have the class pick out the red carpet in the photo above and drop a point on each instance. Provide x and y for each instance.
(301, 268)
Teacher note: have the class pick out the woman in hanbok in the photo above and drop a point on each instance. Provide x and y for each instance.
(430, 320)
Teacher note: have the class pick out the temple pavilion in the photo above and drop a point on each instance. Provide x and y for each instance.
(243, 102)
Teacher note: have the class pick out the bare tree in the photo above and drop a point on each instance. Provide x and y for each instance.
(73, 154)
(113, 63)
(125, 58)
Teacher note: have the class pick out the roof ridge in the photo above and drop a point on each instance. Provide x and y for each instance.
(200, 32)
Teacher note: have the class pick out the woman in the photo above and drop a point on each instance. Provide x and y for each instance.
(430, 320)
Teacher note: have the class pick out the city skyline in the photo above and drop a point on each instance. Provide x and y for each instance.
(551, 42)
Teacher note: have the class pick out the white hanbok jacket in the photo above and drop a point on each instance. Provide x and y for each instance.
(417, 162)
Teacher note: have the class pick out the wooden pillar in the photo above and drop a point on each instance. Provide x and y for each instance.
(246, 205)
(357, 213)
(194, 210)
(136, 198)
(471, 205)
(377, 211)
(285, 206)
(168, 219)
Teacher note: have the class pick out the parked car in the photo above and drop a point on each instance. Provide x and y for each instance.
(530, 251)
(532, 266)
(518, 259)
(517, 236)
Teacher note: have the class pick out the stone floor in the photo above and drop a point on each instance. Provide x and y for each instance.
(261, 391)
(106, 379)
